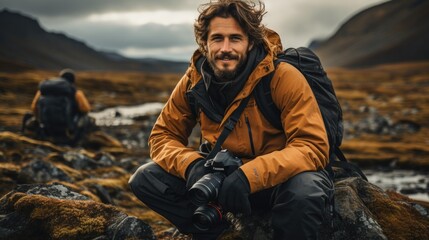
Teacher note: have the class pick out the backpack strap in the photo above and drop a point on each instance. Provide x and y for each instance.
(262, 93)
(344, 164)
(192, 103)
(339, 154)
(190, 96)
(340, 161)
(229, 126)
(198, 98)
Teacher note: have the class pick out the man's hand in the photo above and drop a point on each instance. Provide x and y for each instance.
(234, 193)
(195, 172)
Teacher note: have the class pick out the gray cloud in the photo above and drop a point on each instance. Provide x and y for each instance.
(61, 8)
(114, 36)
(298, 22)
(151, 39)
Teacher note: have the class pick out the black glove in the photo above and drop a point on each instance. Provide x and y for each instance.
(234, 193)
(195, 172)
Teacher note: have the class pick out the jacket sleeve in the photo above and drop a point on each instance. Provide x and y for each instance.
(34, 103)
(306, 147)
(82, 102)
(169, 137)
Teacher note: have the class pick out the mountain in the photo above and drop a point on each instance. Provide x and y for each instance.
(394, 31)
(25, 44)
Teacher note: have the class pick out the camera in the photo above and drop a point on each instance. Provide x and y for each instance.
(205, 191)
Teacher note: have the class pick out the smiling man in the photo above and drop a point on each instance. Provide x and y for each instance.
(260, 167)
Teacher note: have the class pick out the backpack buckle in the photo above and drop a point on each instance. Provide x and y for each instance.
(230, 124)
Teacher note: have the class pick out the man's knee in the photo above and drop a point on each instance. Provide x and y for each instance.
(139, 178)
(150, 180)
(301, 205)
(308, 187)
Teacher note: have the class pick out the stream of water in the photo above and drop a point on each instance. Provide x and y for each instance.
(122, 115)
(412, 183)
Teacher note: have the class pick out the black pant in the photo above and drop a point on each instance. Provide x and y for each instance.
(298, 206)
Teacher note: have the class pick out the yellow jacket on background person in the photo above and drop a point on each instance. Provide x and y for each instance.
(60, 111)
(81, 100)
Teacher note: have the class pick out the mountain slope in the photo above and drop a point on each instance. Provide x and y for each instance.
(394, 31)
(24, 42)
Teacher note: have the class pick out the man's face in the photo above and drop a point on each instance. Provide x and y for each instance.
(227, 47)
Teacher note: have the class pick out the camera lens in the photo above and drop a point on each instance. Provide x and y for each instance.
(206, 189)
(207, 216)
(200, 195)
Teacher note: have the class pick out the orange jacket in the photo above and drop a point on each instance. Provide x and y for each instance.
(280, 154)
(81, 100)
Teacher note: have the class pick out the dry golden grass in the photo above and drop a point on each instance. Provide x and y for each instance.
(389, 88)
(399, 92)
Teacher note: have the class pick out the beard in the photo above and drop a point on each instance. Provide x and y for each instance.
(225, 74)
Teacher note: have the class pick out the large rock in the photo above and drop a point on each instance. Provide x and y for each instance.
(55, 212)
(39, 171)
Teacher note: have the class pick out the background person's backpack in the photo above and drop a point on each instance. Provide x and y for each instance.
(56, 107)
(310, 66)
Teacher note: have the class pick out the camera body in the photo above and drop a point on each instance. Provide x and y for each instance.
(205, 191)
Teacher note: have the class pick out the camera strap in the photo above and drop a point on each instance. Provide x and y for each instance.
(229, 126)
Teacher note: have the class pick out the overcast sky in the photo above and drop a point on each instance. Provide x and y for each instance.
(163, 28)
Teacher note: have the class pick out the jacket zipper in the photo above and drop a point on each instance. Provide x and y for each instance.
(250, 135)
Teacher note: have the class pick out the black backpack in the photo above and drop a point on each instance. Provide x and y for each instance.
(307, 62)
(56, 107)
(310, 66)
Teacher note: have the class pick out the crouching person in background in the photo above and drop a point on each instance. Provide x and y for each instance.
(59, 111)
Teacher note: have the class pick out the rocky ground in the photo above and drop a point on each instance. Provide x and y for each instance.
(59, 192)
(54, 192)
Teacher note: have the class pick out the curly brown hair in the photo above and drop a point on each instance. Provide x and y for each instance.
(248, 14)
